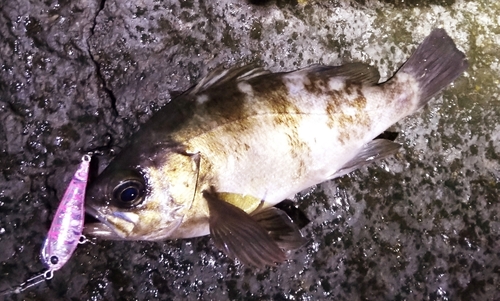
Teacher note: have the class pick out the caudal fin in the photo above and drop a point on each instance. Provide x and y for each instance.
(435, 64)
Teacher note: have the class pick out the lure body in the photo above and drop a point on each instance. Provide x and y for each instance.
(65, 232)
(66, 228)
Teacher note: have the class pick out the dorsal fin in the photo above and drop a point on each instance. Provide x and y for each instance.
(219, 76)
(352, 72)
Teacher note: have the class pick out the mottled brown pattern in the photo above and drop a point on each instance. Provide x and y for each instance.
(399, 94)
(218, 106)
(272, 97)
(286, 120)
(316, 84)
(360, 101)
(331, 109)
(273, 94)
(346, 122)
(350, 87)
(281, 104)
(298, 150)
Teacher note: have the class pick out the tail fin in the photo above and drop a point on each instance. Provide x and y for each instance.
(435, 64)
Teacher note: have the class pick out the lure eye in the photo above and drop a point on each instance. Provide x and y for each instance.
(54, 259)
(129, 193)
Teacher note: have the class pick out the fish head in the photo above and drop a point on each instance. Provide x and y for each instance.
(142, 199)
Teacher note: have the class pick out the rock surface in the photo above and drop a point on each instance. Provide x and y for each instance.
(80, 76)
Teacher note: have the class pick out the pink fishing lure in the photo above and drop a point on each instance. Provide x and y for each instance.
(66, 229)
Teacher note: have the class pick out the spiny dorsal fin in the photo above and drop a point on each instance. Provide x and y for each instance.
(219, 76)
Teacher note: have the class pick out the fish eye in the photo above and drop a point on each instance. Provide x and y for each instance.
(129, 193)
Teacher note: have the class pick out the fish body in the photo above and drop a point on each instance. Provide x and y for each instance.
(216, 160)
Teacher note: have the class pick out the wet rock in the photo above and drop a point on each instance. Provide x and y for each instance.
(80, 76)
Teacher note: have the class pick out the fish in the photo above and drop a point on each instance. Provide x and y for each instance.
(217, 159)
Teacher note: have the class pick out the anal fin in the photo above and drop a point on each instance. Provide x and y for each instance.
(374, 150)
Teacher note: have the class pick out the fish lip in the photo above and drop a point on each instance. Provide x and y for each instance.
(103, 228)
(95, 214)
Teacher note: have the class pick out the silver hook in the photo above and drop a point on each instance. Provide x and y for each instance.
(47, 275)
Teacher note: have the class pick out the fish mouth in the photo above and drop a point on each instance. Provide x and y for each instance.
(113, 225)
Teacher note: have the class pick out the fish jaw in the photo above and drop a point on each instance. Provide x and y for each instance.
(103, 228)
(117, 224)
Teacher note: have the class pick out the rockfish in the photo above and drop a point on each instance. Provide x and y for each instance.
(217, 159)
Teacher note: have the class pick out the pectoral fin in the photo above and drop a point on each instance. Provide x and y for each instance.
(259, 238)
(239, 235)
(374, 150)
